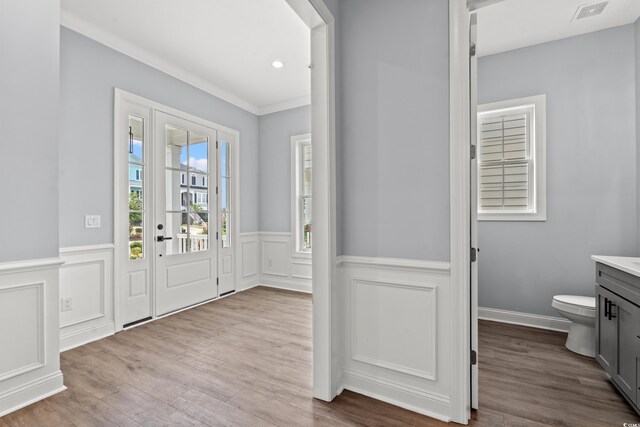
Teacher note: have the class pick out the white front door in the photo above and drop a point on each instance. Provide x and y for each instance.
(226, 212)
(186, 262)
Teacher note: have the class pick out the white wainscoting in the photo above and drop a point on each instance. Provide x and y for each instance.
(397, 336)
(249, 261)
(29, 359)
(280, 267)
(87, 278)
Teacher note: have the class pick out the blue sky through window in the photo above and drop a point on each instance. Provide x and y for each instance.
(198, 154)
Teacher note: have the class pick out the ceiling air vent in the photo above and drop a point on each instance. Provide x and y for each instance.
(589, 10)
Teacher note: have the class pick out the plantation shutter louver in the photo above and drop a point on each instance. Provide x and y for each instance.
(505, 164)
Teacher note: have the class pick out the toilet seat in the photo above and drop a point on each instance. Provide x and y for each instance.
(575, 304)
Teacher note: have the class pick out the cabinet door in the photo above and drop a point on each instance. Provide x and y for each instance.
(627, 317)
(606, 334)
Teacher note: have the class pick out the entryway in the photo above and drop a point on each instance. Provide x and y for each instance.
(176, 183)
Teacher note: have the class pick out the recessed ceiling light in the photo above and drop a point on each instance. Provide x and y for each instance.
(277, 64)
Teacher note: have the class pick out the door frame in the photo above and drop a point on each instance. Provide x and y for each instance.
(460, 209)
(326, 367)
(461, 105)
(121, 96)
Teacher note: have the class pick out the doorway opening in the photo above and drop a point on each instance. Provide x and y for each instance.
(177, 212)
(535, 78)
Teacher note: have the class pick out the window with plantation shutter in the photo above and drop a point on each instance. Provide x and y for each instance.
(511, 160)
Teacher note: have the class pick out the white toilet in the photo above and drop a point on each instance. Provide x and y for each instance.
(581, 311)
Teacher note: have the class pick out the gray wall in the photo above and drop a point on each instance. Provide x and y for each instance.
(29, 84)
(637, 64)
(589, 81)
(393, 72)
(89, 71)
(276, 130)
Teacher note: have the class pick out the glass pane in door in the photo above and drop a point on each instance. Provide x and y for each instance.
(135, 143)
(136, 234)
(198, 154)
(176, 233)
(225, 229)
(136, 136)
(176, 194)
(199, 231)
(176, 147)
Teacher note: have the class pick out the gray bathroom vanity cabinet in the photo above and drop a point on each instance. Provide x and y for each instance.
(618, 323)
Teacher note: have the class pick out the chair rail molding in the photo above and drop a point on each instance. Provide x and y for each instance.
(29, 328)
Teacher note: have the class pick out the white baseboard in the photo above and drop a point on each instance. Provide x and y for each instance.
(245, 285)
(524, 319)
(31, 392)
(85, 336)
(285, 283)
(430, 404)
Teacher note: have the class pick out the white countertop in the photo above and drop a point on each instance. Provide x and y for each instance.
(629, 265)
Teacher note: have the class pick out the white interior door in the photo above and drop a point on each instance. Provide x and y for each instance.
(185, 250)
(473, 95)
(226, 212)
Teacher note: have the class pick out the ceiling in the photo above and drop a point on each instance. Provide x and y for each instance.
(512, 24)
(224, 47)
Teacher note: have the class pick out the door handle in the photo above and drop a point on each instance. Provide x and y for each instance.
(606, 307)
(162, 239)
(611, 315)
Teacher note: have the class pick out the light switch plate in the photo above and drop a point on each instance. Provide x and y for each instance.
(92, 221)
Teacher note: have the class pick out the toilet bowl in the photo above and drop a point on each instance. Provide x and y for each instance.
(581, 311)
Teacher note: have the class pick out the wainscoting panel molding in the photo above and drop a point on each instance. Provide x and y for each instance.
(249, 256)
(397, 341)
(86, 278)
(280, 267)
(29, 328)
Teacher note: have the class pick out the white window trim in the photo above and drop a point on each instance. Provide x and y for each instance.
(538, 141)
(297, 142)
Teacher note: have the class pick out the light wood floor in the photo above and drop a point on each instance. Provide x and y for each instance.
(246, 361)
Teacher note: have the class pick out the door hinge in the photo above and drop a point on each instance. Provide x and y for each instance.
(474, 255)
(216, 235)
(472, 49)
(473, 151)
(474, 357)
(216, 189)
(216, 145)
(217, 280)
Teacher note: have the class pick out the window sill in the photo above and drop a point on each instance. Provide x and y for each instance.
(300, 254)
(524, 217)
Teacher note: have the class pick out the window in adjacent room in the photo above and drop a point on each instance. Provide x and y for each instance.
(511, 160)
(301, 192)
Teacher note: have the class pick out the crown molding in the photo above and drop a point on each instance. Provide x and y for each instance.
(285, 105)
(79, 25)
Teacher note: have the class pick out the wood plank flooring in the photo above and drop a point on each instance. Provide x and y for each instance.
(246, 361)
